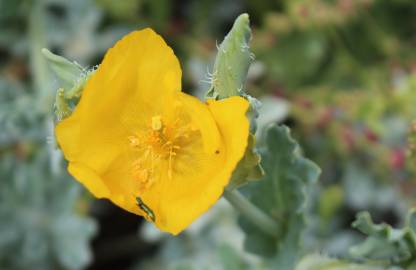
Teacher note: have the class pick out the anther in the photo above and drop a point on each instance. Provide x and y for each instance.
(134, 141)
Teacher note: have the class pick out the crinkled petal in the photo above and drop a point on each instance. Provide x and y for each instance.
(136, 79)
(201, 181)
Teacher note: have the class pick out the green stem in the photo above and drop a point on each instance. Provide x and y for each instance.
(42, 81)
(251, 212)
(37, 37)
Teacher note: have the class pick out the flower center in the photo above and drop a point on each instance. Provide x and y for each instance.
(156, 147)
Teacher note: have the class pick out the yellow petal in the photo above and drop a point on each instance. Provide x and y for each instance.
(89, 178)
(136, 79)
(201, 179)
(203, 119)
(230, 116)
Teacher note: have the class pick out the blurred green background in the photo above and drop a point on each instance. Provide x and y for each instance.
(340, 73)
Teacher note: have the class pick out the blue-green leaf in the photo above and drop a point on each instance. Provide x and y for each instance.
(384, 243)
(281, 194)
(319, 262)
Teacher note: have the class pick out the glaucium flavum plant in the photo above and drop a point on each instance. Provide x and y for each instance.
(137, 140)
(132, 136)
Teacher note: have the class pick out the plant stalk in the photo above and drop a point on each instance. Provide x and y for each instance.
(42, 80)
(263, 221)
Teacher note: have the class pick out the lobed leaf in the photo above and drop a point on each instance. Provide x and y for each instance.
(384, 243)
(281, 193)
(319, 262)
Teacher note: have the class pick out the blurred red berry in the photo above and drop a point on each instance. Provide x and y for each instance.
(370, 135)
(348, 137)
(397, 159)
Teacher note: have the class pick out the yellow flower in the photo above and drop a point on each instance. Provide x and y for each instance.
(151, 149)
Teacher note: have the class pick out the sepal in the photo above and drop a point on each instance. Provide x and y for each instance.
(249, 168)
(232, 61)
(71, 78)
